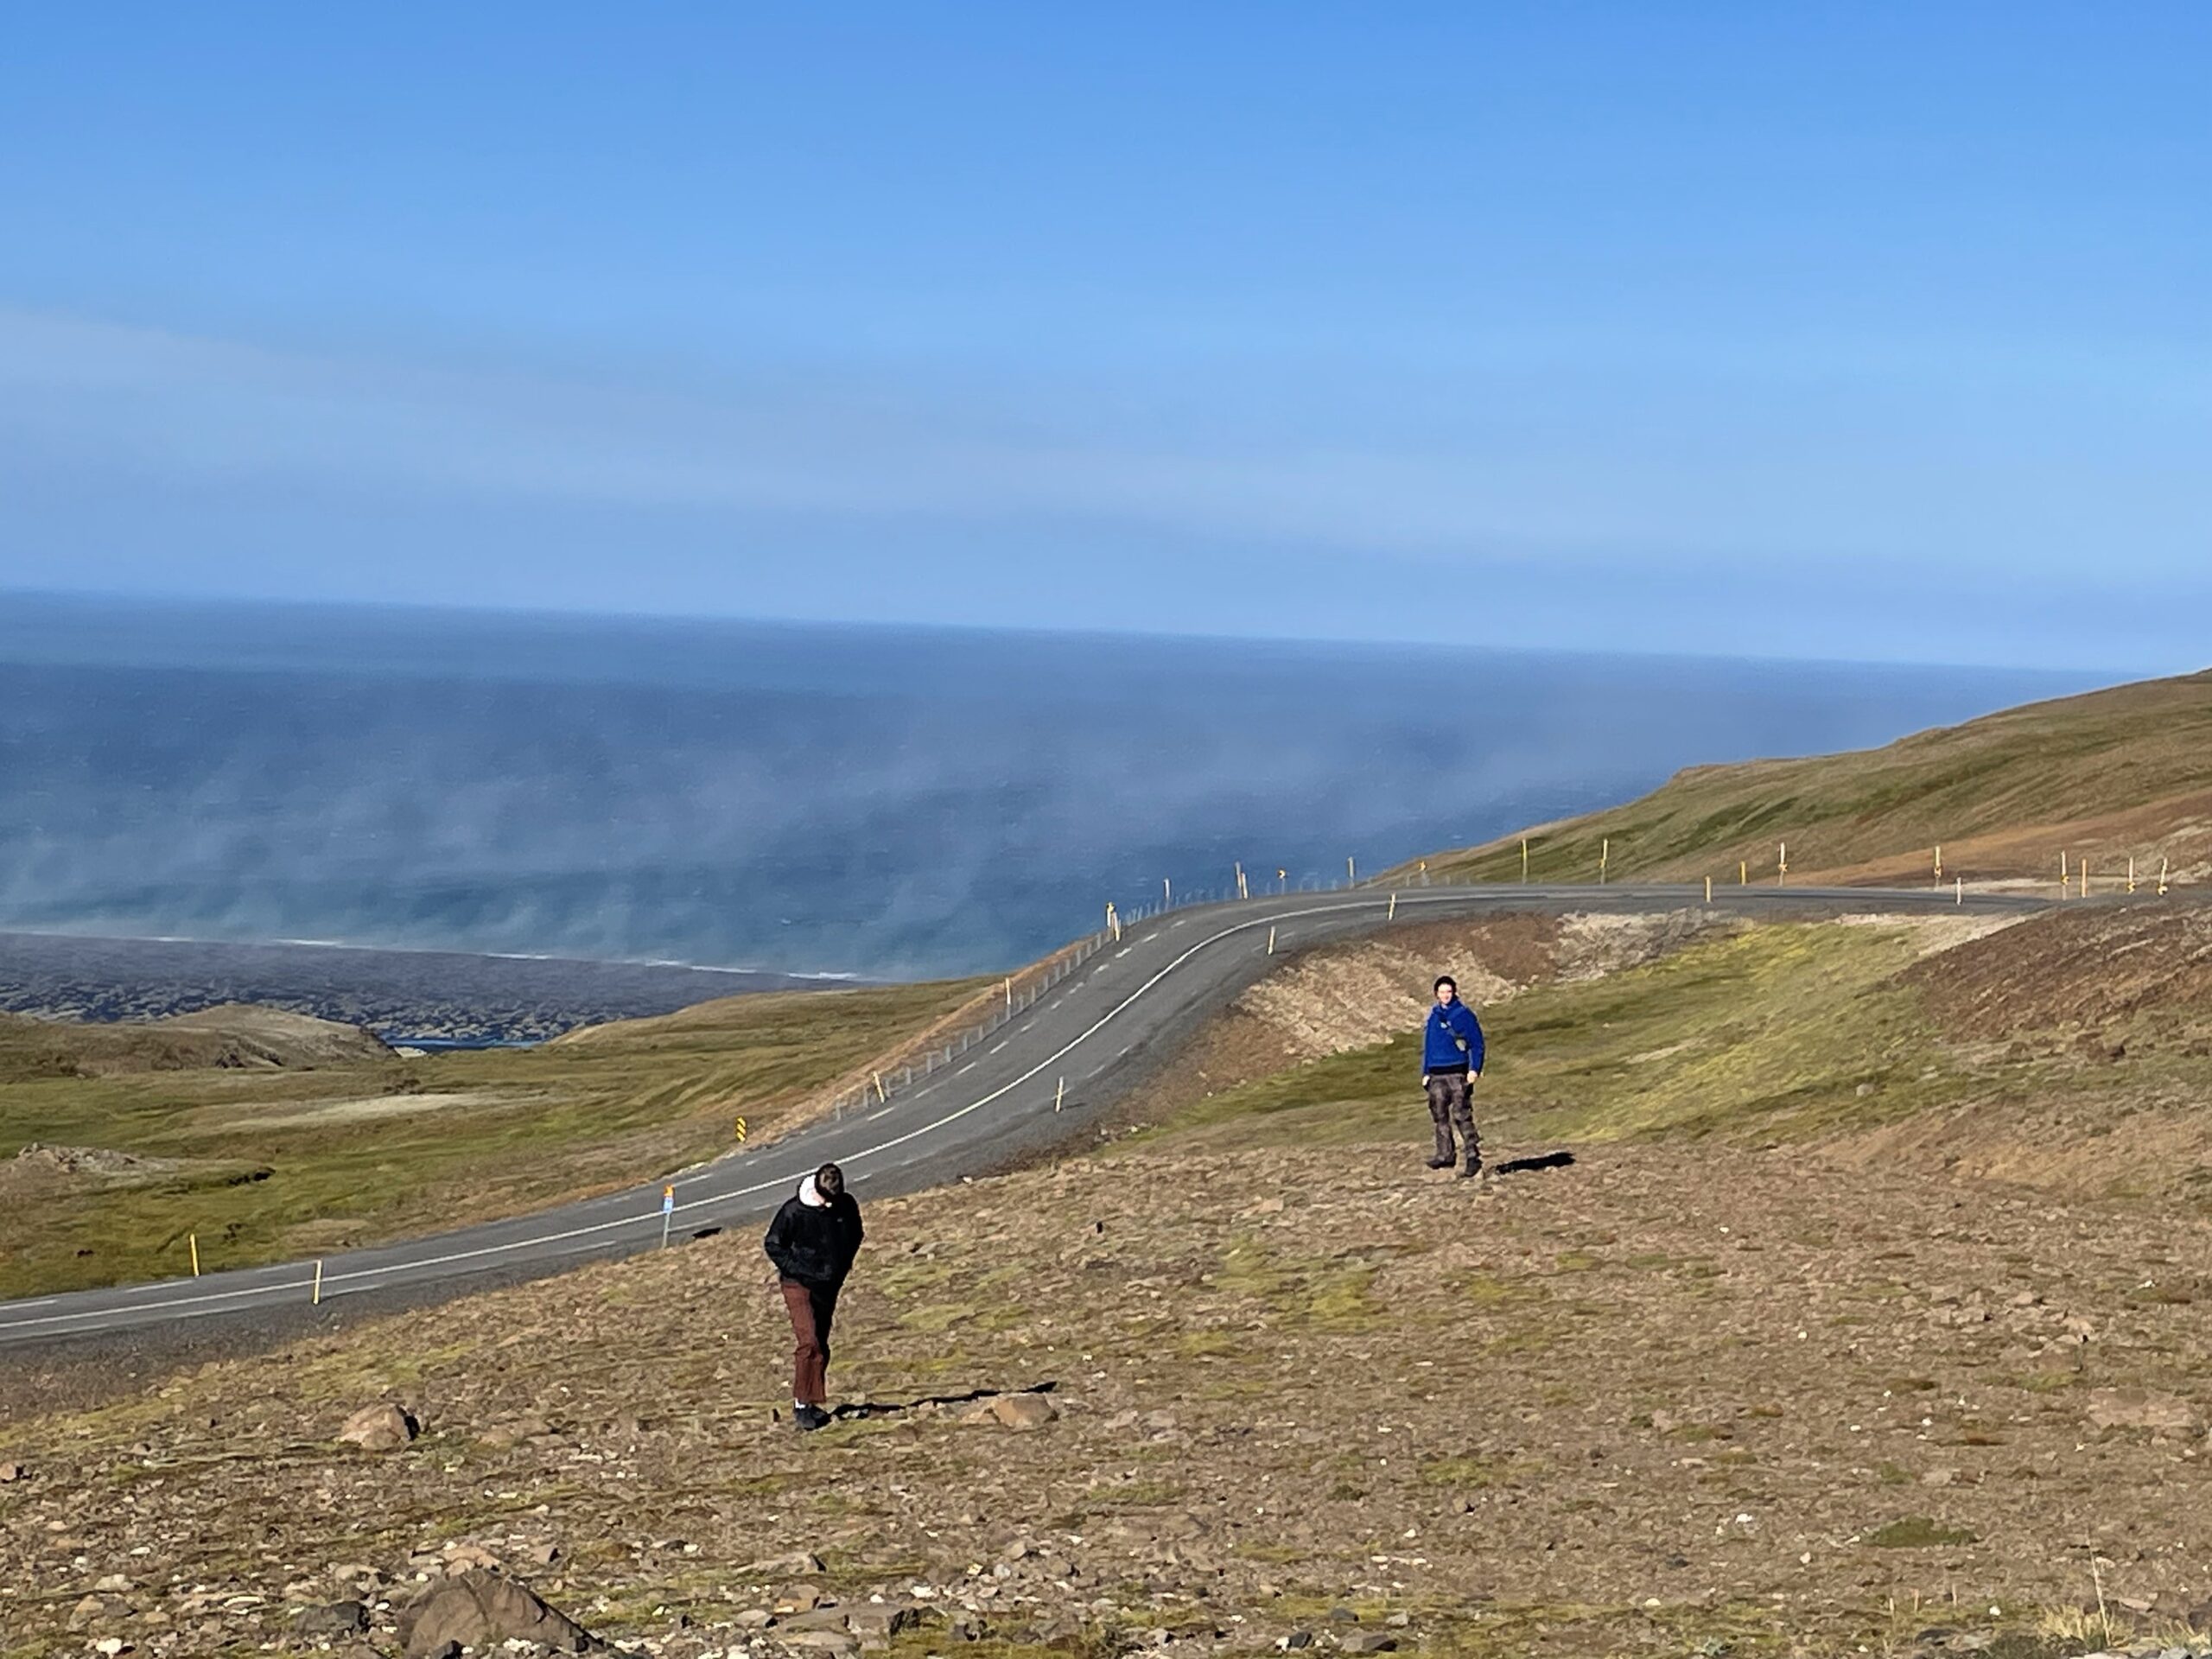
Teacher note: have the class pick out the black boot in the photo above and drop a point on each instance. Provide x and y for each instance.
(1473, 1167)
(1445, 1155)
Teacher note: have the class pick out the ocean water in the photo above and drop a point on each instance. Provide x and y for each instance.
(802, 798)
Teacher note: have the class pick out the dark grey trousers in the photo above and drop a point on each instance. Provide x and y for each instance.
(1451, 1106)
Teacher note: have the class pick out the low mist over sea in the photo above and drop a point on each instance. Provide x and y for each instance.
(802, 798)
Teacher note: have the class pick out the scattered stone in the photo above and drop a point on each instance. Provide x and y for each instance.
(880, 1621)
(11, 1471)
(824, 1641)
(338, 1618)
(1023, 1411)
(798, 1564)
(1367, 1641)
(515, 1431)
(478, 1609)
(379, 1428)
(2142, 1408)
(826, 1617)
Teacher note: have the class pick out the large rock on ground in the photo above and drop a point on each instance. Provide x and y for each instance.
(379, 1428)
(2164, 1413)
(1020, 1411)
(338, 1618)
(480, 1609)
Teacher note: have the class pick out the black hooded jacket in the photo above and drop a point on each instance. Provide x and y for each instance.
(814, 1244)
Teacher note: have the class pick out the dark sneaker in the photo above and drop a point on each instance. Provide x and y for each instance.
(1444, 1162)
(1474, 1171)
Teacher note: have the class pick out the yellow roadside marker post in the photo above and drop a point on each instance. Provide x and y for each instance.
(1167, 892)
(1242, 892)
(880, 1094)
(1743, 872)
(2162, 877)
(1059, 1094)
(1271, 941)
(1605, 857)
(1524, 861)
(1424, 872)
(742, 1131)
(667, 1213)
(1708, 889)
(315, 1299)
(1009, 990)
(1782, 867)
(2082, 868)
(1282, 880)
(192, 1239)
(1393, 914)
(1960, 890)
(1939, 863)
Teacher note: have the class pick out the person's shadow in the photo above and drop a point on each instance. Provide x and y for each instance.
(854, 1410)
(1559, 1159)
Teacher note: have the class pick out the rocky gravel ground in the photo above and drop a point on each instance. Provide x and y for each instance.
(1658, 1399)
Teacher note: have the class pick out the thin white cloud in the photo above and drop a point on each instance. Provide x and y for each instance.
(1512, 472)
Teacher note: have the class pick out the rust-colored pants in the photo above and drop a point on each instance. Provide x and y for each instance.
(812, 1307)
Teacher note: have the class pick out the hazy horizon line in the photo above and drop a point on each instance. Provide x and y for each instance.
(708, 621)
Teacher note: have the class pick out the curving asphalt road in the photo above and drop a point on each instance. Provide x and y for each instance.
(1095, 1033)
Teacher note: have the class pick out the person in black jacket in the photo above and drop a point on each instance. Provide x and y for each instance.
(813, 1241)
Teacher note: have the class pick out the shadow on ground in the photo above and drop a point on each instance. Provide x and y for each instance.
(1540, 1161)
(854, 1410)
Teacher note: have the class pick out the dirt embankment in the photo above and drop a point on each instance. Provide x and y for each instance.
(1335, 997)
(2090, 970)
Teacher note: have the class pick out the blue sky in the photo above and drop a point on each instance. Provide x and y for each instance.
(1857, 331)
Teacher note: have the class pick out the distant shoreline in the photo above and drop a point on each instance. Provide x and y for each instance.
(449, 997)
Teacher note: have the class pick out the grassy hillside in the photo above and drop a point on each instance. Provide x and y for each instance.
(2113, 774)
(230, 1037)
(2071, 1050)
(266, 1157)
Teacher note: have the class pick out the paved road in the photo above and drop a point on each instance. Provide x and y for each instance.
(1096, 1032)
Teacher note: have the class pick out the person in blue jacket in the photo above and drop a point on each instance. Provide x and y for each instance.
(1450, 1058)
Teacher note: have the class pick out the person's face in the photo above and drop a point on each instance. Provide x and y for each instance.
(1447, 994)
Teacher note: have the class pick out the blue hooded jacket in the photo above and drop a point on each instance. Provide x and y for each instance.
(1454, 1039)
